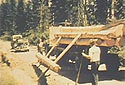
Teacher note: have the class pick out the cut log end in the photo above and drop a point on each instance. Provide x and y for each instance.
(49, 63)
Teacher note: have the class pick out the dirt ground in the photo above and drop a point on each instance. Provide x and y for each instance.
(21, 70)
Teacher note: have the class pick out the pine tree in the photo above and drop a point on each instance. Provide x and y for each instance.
(21, 18)
(91, 13)
(72, 11)
(1, 20)
(13, 16)
(36, 13)
(119, 9)
(60, 10)
(101, 11)
(45, 16)
(6, 19)
(29, 16)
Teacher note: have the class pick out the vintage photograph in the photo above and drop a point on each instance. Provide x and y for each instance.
(62, 42)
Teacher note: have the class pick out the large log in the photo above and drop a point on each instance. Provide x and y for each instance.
(107, 35)
(112, 32)
(50, 64)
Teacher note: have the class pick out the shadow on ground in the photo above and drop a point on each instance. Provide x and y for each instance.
(86, 77)
(42, 80)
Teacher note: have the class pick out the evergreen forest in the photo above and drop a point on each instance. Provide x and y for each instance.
(32, 19)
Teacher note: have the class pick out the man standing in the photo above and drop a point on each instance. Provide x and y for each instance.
(94, 56)
(41, 47)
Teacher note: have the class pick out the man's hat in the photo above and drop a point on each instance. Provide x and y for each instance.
(92, 41)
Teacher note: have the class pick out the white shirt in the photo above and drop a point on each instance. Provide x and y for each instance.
(94, 53)
(41, 44)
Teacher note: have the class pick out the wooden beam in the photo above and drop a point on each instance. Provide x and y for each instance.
(67, 48)
(84, 36)
(53, 47)
(86, 42)
(50, 64)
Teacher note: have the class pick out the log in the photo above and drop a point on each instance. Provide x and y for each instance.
(53, 47)
(105, 33)
(49, 63)
(67, 48)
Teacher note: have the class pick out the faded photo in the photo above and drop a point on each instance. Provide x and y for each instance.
(62, 42)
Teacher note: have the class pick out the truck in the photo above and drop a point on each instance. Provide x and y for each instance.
(67, 43)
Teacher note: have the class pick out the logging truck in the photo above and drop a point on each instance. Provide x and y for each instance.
(67, 43)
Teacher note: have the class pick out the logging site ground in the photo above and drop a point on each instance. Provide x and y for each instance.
(18, 70)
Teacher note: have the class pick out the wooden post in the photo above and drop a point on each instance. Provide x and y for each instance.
(67, 48)
(78, 75)
(53, 47)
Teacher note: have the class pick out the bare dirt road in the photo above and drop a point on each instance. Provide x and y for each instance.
(20, 65)
(21, 69)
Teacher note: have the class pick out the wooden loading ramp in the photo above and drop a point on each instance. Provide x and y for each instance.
(53, 64)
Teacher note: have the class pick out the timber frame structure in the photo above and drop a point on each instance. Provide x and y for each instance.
(106, 35)
(109, 35)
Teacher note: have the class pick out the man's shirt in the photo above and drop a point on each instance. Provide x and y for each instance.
(94, 53)
(41, 44)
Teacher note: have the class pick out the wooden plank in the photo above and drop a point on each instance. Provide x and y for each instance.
(112, 32)
(94, 28)
(86, 42)
(85, 36)
(50, 64)
(53, 47)
(67, 48)
(118, 22)
(82, 29)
